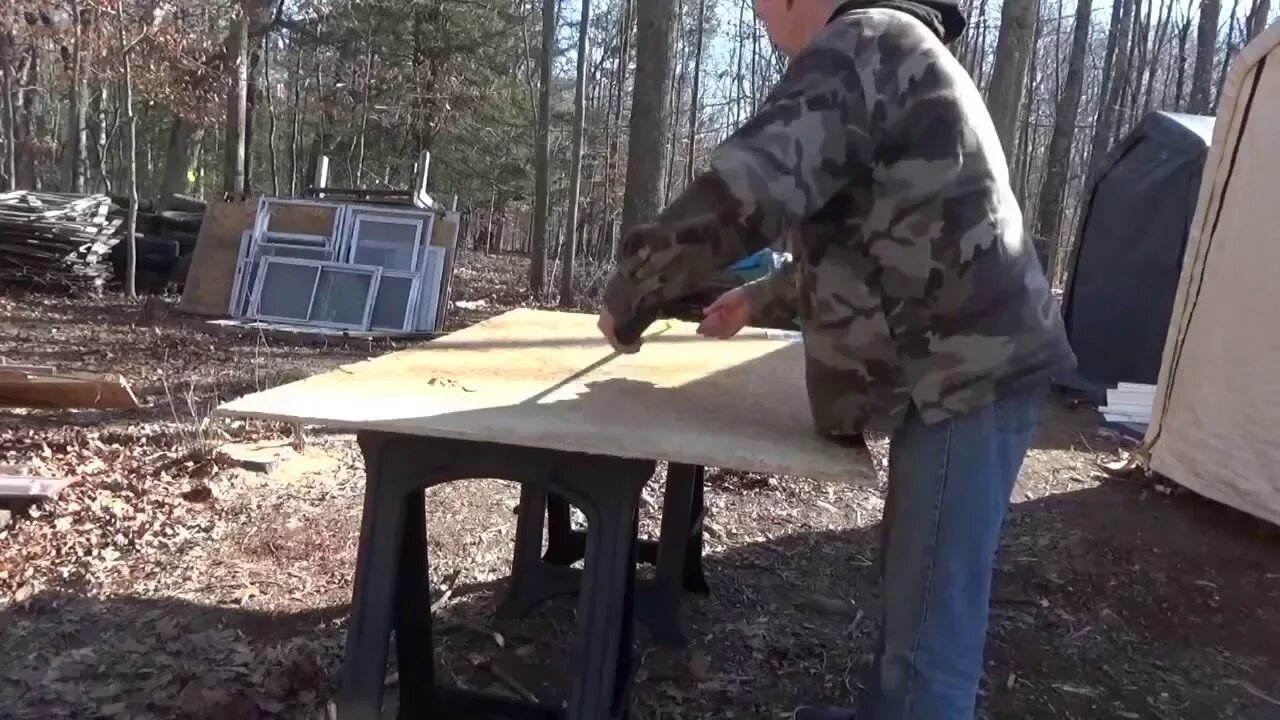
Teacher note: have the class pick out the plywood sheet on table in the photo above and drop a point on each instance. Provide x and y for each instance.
(546, 379)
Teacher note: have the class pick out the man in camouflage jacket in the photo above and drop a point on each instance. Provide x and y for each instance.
(924, 310)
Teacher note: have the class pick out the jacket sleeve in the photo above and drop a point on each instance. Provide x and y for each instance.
(780, 168)
(773, 299)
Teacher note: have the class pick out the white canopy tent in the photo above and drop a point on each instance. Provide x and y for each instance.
(1215, 426)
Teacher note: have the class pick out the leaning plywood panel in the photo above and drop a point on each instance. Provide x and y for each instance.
(213, 264)
(548, 380)
(1217, 409)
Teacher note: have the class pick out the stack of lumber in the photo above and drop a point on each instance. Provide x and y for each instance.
(55, 240)
(1130, 403)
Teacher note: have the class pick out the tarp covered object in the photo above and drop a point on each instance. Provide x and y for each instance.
(1216, 422)
(1126, 261)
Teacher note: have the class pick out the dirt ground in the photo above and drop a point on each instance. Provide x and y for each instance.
(167, 582)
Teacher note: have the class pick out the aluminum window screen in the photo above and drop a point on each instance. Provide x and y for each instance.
(297, 222)
(392, 303)
(388, 243)
(342, 296)
(264, 250)
(285, 290)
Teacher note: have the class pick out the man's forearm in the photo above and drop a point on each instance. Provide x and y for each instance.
(697, 236)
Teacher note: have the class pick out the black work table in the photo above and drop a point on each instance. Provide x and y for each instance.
(537, 398)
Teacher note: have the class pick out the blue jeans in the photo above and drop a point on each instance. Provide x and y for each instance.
(949, 490)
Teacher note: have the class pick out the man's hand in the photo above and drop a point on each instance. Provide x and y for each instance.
(609, 329)
(725, 317)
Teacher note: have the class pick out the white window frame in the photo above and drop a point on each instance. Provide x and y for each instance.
(374, 271)
(426, 318)
(242, 258)
(297, 239)
(354, 245)
(250, 255)
(263, 220)
(411, 306)
(353, 212)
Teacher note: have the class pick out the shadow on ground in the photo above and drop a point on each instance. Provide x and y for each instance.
(1111, 601)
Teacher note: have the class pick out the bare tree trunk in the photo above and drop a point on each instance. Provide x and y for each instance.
(1058, 164)
(268, 93)
(575, 173)
(1022, 180)
(9, 165)
(965, 56)
(1257, 20)
(677, 98)
(237, 70)
(1009, 74)
(101, 139)
(364, 111)
(488, 232)
(647, 142)
(1131, 88)
(1206, 53)
(696, 95)
(1112, 74)
(178, 158)
(131, 153)
(25, 152)
(611, 164)
(738, 77)
(1184, 35)
(252, 95)
(542, 155)
(1229, 55)
(1163, 27)
(74, 159)
(295, 132)
(980, 44)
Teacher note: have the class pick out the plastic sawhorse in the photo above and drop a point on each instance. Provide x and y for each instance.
(677, 555)
(392, 590)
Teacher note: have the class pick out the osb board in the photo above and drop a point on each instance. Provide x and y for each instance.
(546, 379)
(213, 265)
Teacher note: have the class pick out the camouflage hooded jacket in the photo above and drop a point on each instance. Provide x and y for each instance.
(876, 159)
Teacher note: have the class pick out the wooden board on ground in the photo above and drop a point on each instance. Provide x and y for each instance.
(28, 488)
(65, 391)
(547, 379)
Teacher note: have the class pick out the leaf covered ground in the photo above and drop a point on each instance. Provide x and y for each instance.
(167, 582)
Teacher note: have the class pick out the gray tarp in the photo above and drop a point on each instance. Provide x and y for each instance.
(1126, 262)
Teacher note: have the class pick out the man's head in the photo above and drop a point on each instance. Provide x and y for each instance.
(791, 24)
